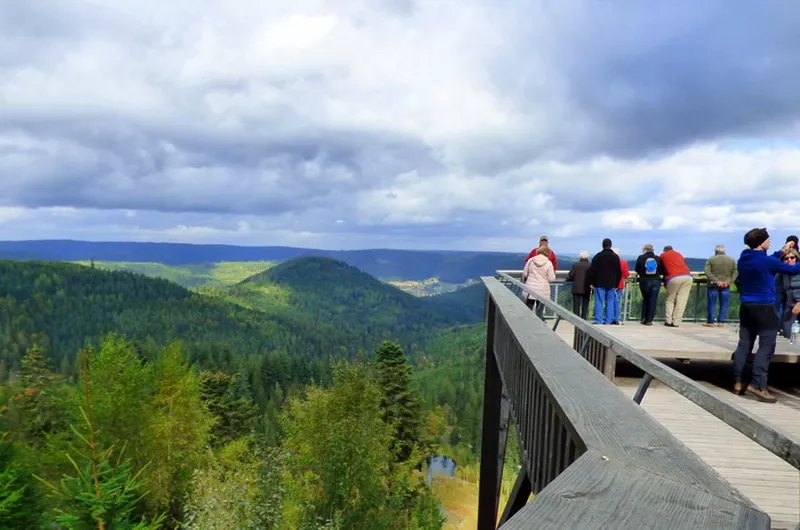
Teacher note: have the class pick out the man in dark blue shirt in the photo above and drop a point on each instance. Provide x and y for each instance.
(757, 315)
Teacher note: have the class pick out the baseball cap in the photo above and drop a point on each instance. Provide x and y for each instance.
(543, 238)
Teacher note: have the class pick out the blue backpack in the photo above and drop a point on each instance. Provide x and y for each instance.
(650, 266)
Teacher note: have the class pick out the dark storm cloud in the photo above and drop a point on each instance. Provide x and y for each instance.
(656, 76)
(111, 164)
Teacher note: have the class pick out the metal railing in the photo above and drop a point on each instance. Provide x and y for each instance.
(631, 299)
(575, 427)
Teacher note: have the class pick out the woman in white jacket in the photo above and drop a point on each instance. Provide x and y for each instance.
(537, 274)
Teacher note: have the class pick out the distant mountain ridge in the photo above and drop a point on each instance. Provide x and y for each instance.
(386, 264)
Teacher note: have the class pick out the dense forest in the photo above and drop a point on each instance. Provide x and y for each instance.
(131, 402)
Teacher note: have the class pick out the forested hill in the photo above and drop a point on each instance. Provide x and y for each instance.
(63, 305)
(323, 290)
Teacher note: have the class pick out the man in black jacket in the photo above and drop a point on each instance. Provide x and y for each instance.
(603, 277)
(649, 270)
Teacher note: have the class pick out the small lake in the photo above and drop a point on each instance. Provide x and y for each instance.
(440, 466)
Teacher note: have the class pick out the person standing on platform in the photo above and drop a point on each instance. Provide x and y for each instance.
(721, 272)
(603, 277)
(625, 272)
(780, 301)
(580, 288)
(544, 243)
(757, 315)
(648, 271)
(789, 287)
(538, 274)
(678, 280)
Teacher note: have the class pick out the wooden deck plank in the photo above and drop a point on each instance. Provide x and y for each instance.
(689, 341)
(772, 484)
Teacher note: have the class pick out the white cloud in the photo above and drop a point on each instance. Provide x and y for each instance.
(395, 122)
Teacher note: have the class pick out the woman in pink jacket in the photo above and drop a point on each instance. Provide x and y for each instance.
(537, 274)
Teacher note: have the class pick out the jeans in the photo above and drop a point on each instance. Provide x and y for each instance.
(615, 315)
(756, 320)
(580, 304)
(649, 288)
(724, 296)
(604, 300)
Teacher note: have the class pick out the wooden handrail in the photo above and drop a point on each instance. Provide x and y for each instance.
(593, 458)
(772, 438)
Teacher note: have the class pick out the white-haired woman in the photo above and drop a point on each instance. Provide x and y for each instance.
(580, 288)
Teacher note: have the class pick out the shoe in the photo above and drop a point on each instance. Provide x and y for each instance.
(709, 324)
(648, 323)
(721, 325)
(738, 389)
(615, 323)
(761, 395)
(668, 324)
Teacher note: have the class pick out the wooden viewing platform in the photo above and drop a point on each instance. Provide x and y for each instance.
(690, 341)
(659, 442)
(772, 484)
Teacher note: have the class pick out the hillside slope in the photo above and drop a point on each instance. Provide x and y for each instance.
(306, 308)
(62, 306)
(329, 291)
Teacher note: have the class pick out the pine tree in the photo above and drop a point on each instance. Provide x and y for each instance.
(18, 500)
(38, 410)
(104, 493)
(400, 407)
(234, 415)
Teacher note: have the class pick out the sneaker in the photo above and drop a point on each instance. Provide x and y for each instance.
(615, 323)
(648, 323)
(761, 395)
(709, 324)
(721, 325)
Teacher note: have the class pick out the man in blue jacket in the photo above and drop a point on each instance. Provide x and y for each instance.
(757, 315)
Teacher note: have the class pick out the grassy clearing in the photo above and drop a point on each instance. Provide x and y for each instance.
(221, 273)
(459, 495)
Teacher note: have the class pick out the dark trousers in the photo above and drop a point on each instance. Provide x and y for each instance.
(537, 306)
(756, 320)
(649, 288)
(580, 304)
(723, 294)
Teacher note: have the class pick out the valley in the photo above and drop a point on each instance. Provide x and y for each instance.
(252, 349)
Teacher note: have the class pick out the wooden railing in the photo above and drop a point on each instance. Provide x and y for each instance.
(593, 458)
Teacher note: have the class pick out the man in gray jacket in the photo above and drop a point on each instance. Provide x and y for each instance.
(721, 273)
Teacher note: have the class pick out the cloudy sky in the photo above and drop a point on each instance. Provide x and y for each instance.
(400, 123)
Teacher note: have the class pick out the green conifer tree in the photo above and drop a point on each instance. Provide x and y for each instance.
(400, 406)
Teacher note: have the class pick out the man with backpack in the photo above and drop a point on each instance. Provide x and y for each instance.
(648, 269)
